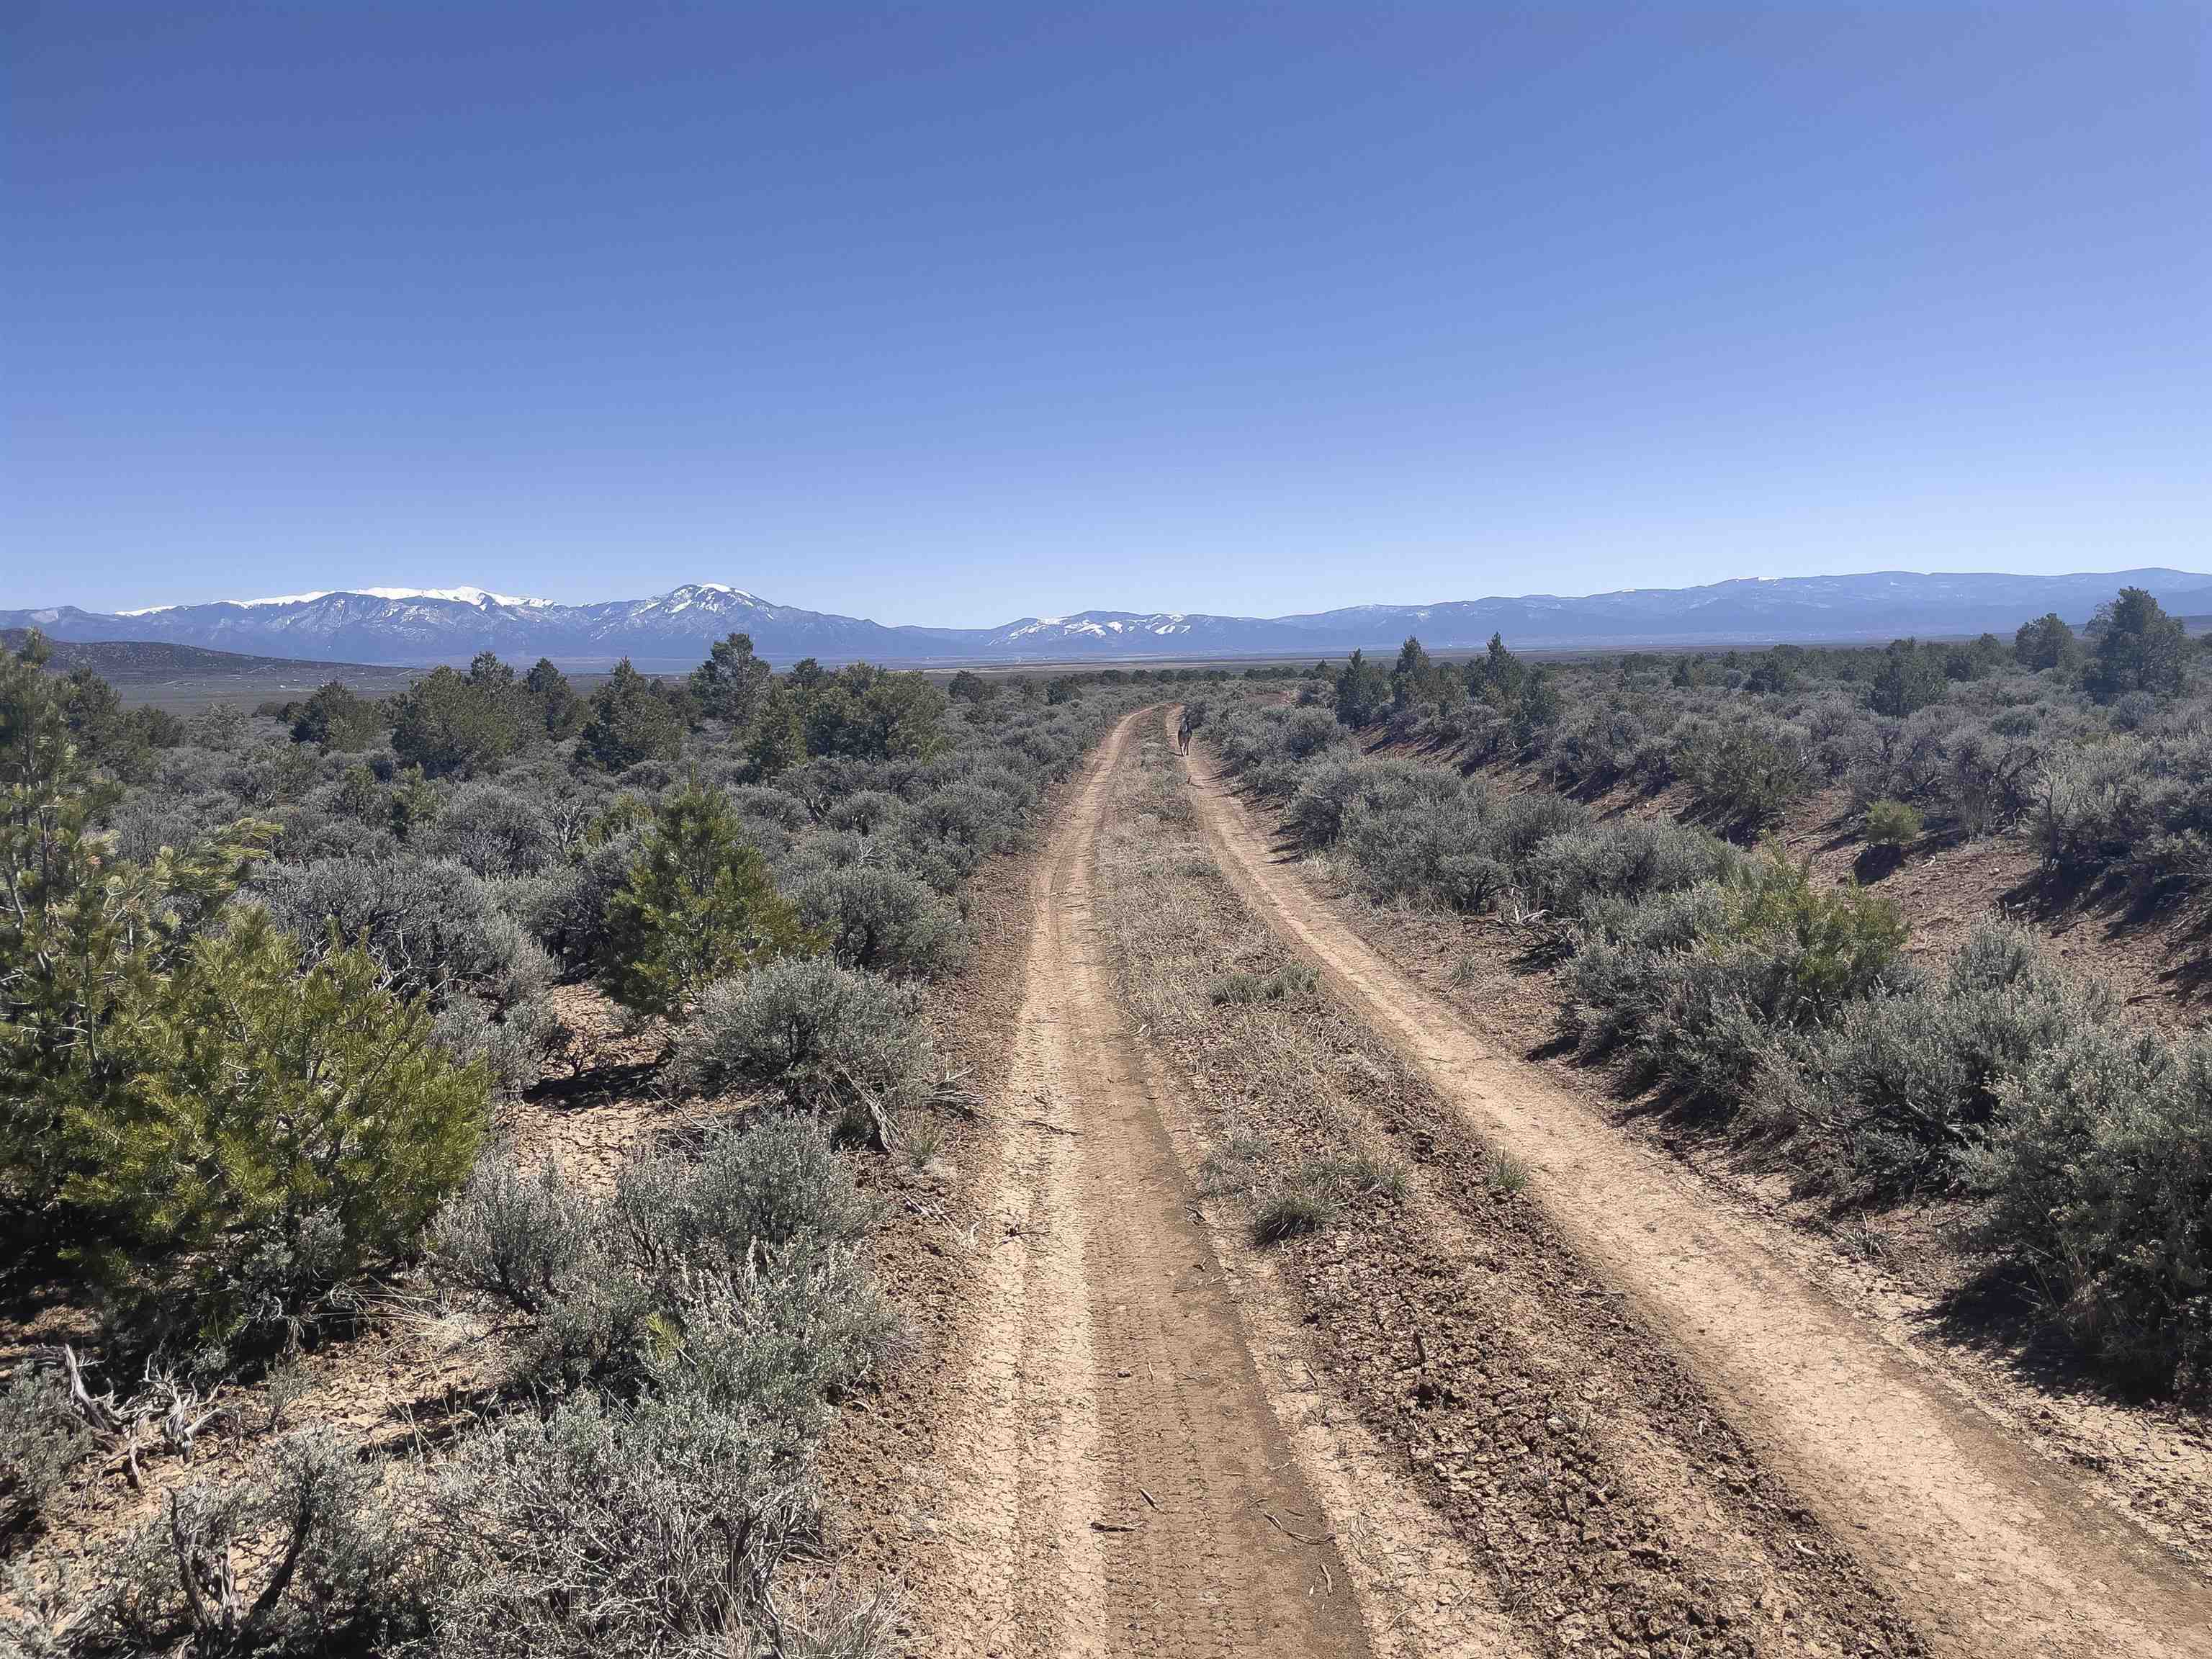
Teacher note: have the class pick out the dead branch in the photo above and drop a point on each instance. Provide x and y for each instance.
(99, 1412)
(1298, 1537)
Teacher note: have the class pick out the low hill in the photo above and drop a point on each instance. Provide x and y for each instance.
(182, 676)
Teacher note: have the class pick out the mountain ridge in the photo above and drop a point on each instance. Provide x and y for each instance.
(414, 626)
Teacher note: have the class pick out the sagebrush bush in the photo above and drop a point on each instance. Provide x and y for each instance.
(1629, 858)
(429, 922)
(864, 811)
(733, 1277)
(1316, 812)
(512, 1043)
(838, 1041)
(885, 921)
(494, 831)
(1898, 1095)
(962, 824)
(321, 1565)
(2098, 1165)
(791, 1329)
(517, 1234)
(1746, 776)
(1437, 850)
(40, 1442)
(595, 1329)
(1713, 986)
(775, 1182)
(672, 1527)
(567, 913)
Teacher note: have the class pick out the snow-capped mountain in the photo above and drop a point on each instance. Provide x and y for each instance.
(449, 624)
(465, 595)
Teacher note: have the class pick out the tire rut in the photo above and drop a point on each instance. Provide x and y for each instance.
(1987, 1546)
(1121, 1457)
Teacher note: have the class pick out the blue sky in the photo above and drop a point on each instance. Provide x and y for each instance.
(951, 314)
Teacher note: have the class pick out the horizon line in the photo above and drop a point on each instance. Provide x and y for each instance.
(450, 595)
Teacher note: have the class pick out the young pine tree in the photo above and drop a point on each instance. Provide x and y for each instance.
(698, 905)
(279, 1130)
(84, 936)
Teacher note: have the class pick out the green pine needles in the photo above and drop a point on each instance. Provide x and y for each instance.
(282, 1131)
(699, 904)
(220, 1132)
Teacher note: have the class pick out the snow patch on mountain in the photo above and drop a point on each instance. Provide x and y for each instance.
(477, 596)
(464, 595)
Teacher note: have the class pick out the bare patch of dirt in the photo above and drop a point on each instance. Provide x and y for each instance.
(1172, 932)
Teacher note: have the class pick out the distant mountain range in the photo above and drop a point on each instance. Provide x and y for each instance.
(427, 625)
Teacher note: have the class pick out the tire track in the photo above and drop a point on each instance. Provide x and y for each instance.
(1120, 1456)
(1988, 1548)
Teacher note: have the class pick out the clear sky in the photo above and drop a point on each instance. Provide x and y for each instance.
(950, 314)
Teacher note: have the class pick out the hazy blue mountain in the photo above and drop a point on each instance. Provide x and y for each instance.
(394, 625)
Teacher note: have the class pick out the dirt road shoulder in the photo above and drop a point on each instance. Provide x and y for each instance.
(1990, 1548)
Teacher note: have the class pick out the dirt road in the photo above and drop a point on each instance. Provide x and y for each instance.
(1990, 1549)
(1119, 1482)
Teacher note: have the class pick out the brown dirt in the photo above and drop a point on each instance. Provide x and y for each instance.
(1992, 1549)
(1109, 1458)
(1172, 929)
(882, 1465)
(1598, 1501)
(1911, 1270)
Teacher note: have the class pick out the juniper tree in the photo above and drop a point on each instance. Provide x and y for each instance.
(627, 724)
(873, 713)
(2139, 648)
(2046, 642)
(779, 734)
(731, 684)
(557, 704)
(1363, 691)
(336, 719)
(447, 722)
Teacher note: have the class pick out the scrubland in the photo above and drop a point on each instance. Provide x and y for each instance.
(442, 1141)
(1701, 856)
